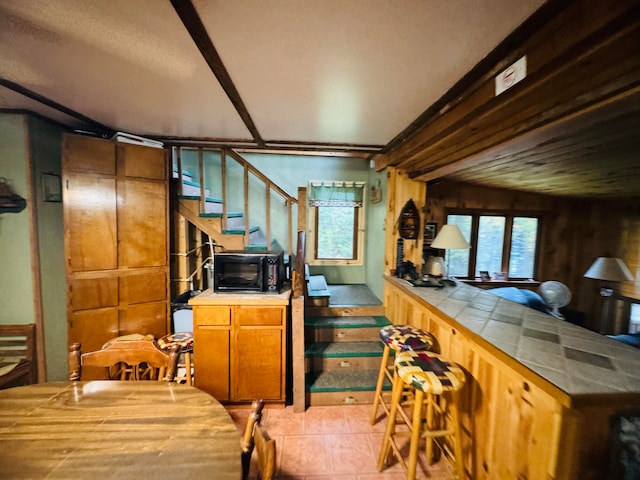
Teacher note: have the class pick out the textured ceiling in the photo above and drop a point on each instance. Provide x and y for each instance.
(330, 75)
(351, 72)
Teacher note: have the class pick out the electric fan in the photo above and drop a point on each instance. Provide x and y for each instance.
(555, 295)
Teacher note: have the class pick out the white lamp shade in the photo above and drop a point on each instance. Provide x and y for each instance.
(609, 269)
(449, 237)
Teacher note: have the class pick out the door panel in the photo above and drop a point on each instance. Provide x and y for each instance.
(88, 154)
(90, 223)
(143, 224)
(87, 293)
(212, 362)
(258, 369)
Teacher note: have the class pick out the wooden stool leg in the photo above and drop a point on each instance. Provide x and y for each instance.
(377, 398)
(187, 366)
(396, 396)
(430, 425)
(416, 423)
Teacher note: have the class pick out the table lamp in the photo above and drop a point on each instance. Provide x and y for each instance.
(449, 237)
(610, 270)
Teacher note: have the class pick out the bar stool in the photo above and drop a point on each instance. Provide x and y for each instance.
(397, 338)
(185, 341)
(436, 383)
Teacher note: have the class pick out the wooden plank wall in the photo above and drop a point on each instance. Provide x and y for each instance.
(401, 189)
(574, 233)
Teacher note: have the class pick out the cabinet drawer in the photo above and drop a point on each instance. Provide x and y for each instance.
(212, 316)
(259, 315)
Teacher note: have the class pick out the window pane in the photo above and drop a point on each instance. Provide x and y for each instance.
(523, 247)
(458, 260)
(490, 240)
(335, 233)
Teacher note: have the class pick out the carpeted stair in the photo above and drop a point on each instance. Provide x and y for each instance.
(343, 358)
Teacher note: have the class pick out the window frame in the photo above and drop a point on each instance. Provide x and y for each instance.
(358, 235)
(509, 216)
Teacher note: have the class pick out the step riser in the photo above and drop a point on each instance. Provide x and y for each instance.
(350, 311)
(343, 334)
(323, 399)
(344, 363)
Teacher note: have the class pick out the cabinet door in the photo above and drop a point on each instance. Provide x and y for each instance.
(211, 350)
(90, 210)
(259, 368)
(259, 353)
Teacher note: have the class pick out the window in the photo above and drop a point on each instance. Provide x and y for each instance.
(336, 223)
(499, 243)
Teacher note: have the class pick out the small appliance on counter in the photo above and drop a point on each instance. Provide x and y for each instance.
(239, 271)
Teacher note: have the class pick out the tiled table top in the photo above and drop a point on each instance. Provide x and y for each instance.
(573, 358)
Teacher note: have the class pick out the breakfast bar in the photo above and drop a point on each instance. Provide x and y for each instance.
(541, 395)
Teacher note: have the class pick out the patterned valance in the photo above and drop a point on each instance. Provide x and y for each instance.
(336, 194)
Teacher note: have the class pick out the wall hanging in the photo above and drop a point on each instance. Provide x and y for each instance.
(9, 201)
(409, 221)
(376, 192)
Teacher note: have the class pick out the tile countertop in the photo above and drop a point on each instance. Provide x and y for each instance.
(574, 359)
(209, 297)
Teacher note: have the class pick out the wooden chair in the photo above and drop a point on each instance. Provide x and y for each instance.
(129, 360)
(256, 437)
(17, 355)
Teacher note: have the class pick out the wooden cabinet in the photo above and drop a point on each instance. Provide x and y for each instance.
(240, 345)
(116, 239)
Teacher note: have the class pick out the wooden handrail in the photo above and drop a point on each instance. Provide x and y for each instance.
(237, 157)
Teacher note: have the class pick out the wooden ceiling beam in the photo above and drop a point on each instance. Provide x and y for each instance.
(192, 22)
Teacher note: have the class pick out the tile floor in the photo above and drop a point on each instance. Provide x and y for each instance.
(336, 442)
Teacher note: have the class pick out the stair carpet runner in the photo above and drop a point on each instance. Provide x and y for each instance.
(342, 358)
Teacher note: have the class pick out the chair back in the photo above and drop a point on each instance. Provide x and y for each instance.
(247, 438)
(129, 360)
(265, 447)
(17, 355)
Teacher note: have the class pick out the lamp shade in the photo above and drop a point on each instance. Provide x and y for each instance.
(609, 269)
(449, 237)
(435, 267)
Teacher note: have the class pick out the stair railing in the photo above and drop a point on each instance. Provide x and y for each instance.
(248, 169)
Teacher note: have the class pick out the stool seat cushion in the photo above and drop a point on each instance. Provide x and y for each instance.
(184, 339)
(406, 337)
(429, 372)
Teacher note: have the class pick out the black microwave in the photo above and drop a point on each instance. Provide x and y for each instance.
(239, 271)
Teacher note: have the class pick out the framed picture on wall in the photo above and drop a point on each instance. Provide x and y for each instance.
(430, 231)
(51, 187)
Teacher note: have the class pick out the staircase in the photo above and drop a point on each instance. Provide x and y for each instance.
(204, 217)
(343, 350)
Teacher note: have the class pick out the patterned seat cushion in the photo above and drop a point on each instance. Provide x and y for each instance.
(429, 372)
(184, 339)
(406, 337)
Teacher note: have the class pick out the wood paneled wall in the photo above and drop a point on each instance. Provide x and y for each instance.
(574, 233)
(401, 189)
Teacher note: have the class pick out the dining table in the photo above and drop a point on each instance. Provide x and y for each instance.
(116, 429)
